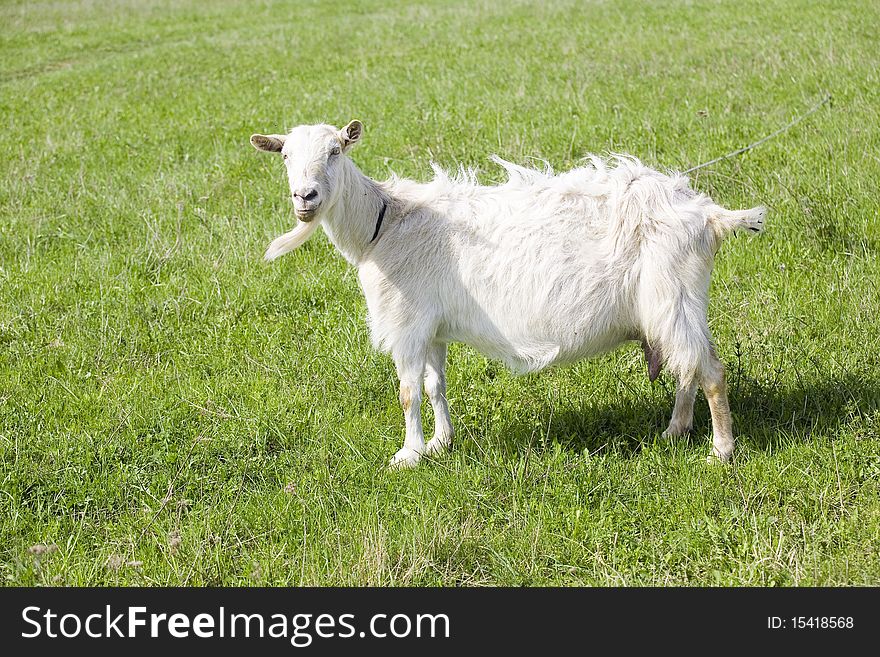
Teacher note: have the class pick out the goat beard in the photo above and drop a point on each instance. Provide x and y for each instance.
(291, 240)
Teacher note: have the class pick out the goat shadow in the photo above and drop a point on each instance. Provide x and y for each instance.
(763, 412)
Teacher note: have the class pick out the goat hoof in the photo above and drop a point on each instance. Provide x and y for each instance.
(676, 432)
(437, 446)
(717, 457)
(405, 458)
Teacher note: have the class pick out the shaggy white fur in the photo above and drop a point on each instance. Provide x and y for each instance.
(542, 270)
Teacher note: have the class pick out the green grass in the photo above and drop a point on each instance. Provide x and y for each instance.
(173, 411)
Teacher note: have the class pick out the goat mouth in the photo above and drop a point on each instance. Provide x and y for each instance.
(306, 215)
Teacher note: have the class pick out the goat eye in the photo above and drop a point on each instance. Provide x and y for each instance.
(335, 151)
(284, 155)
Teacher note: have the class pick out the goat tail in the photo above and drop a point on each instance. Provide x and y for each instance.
(726, 221)
(290, 240)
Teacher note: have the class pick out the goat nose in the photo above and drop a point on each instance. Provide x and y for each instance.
(306, 194)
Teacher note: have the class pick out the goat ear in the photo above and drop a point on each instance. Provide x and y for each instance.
(270, 143)
(351, 133)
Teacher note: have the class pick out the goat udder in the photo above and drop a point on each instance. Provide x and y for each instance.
(654, 360)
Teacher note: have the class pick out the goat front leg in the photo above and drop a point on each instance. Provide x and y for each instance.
(410, 362)
(435, 386)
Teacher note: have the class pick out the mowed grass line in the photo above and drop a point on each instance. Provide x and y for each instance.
(173, 411)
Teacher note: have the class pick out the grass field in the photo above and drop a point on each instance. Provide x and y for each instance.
(174, 411)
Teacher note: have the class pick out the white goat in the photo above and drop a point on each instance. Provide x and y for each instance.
(542, 270)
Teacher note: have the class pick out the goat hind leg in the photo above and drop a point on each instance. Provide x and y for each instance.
(682, 420)
(714, 386)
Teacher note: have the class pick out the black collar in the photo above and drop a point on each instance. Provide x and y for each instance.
(379, 222)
